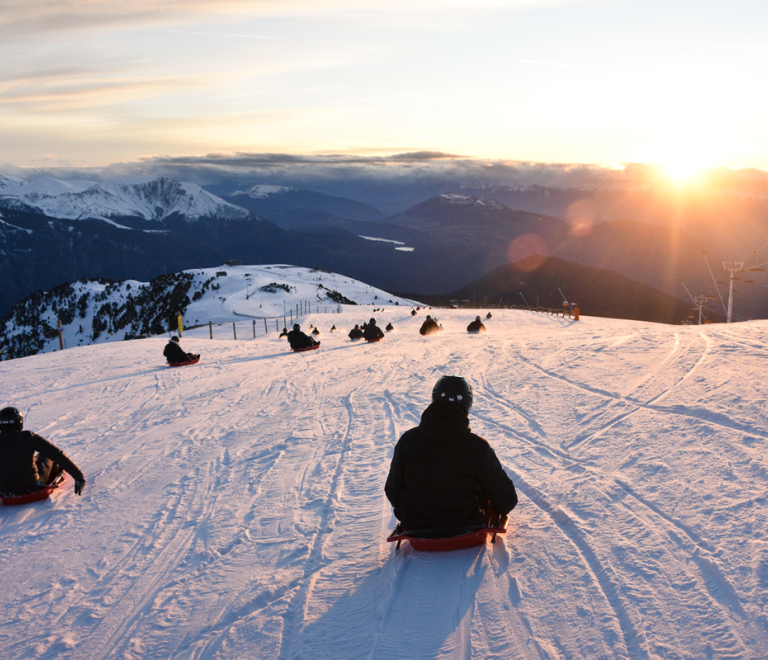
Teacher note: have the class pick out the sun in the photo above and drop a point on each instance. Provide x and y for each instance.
(680, 168)
(678, 159)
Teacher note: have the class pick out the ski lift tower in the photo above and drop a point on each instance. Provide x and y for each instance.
(700, 302)
(735, 268)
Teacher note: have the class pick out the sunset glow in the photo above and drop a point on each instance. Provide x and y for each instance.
(553, 81)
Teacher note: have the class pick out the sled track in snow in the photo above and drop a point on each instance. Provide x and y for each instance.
(721, 421)
(635, 643)
(714, 594)
(109, 639)
(713, 591)
(726, 339)
(294, 616)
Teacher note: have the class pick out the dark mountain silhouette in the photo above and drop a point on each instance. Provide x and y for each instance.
(301, 209)
(535, 281)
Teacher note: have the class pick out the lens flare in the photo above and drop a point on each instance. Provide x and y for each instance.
(581, 216)
(528, 245)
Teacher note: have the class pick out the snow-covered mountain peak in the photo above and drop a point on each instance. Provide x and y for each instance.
(261, 191)
(10, 183)
(153, 200)
(468, 200)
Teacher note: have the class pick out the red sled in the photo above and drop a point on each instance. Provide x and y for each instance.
(425, 540)
(373, 341)
(36, 495)
(184, 364)
(307, 348)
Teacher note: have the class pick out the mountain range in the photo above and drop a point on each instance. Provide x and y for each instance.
(55, 231)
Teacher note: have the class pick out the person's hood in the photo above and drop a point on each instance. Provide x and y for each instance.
(445, 421)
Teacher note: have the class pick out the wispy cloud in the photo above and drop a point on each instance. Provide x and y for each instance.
(67, 89)
(23, 17)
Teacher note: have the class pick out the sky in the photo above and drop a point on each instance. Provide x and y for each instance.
(89, 83)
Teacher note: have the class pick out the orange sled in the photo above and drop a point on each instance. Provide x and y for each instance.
(436, 540)
(184, 364)
(307, 348)
(36, 495)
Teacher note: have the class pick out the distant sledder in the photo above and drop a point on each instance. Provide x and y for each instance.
(356, 333)
(300, 342)
(177, 356)
(24, 475)
(446, 485)
(477, 327)
(429, 327)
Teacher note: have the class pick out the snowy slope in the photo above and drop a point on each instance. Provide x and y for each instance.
(235, 509)
(97, 311)
(152, 200)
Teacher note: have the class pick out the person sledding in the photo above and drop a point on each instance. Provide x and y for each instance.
(429, 327)
(476, 327)
(28, 462)
(298, 340)
(372, 332)
(355, 333)
(175, 354)
(443, 478)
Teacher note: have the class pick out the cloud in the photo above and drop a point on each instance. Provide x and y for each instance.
(20, 18)
(425, 170)
(71, 90)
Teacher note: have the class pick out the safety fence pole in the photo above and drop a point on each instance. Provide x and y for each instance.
(210, 329)
(234, 329)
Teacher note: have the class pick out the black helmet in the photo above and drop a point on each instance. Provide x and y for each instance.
(372, 322)
(453, 388)
(175, 338)
(296, 326)
(477, 318)
(11, 418)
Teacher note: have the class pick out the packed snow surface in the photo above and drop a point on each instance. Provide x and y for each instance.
(235, 509)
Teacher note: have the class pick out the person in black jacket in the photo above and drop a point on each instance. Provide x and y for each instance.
(429, 327)
(175, 353)
(297, 339)
(443, 477)
(372, 331)
(355, 333)
(476, 327)
(21, 471)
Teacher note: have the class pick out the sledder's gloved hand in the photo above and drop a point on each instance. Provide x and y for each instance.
(79, 485)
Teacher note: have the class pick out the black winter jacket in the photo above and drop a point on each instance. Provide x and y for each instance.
(429, 327)
(442, 474)
(18, 470)
(175, 353)
(372, 332)
(297, 339)
(476, 327)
